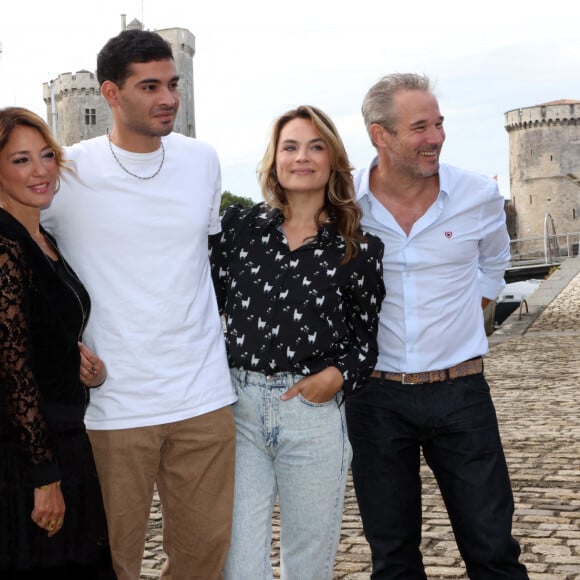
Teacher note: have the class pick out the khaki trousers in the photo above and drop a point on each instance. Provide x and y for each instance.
(192, 462)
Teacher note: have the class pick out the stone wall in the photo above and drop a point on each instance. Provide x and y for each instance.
(183, 45)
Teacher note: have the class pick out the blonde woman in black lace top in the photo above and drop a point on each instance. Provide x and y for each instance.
(53, 522)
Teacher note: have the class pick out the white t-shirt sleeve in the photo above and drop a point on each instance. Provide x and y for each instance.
(214, 219)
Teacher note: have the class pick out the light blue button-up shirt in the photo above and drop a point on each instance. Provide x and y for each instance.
(435, 277)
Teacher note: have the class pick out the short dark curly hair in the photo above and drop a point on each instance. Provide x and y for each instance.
(115, 58)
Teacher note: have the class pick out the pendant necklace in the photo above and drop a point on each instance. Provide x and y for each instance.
(130, 172)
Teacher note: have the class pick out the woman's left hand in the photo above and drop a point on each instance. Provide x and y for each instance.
(49, 508)
(93, 371)
(317, 388)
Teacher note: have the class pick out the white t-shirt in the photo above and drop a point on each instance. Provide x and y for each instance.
(140, 247)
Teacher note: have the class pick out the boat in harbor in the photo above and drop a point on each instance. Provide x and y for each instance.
(512, 297)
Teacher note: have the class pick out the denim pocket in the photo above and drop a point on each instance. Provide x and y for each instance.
(313, 404)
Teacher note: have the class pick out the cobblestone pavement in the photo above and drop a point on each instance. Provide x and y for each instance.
(534, 371)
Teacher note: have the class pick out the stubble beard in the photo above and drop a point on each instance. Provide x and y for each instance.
(146, 127)
(413, 169)
(149, 131)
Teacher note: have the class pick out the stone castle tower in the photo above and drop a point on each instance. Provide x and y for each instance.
(544, 144)
(76, 110)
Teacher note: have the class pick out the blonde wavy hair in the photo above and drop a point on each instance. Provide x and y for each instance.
(340, 206)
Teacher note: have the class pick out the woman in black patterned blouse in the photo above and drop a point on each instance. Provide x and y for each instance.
(300, 287)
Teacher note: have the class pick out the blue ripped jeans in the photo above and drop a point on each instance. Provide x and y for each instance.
(298, 452)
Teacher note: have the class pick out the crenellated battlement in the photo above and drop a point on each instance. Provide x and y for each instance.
(563, 112)
(66, 84)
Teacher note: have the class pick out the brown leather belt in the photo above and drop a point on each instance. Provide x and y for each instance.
(469, 367)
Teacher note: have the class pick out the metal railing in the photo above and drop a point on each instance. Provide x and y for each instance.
(546, 249)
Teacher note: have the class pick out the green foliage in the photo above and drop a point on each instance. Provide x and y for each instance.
(231, 199)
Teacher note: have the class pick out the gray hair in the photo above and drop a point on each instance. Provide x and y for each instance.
(377, 105)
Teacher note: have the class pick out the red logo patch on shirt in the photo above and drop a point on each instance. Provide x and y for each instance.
(448, 235)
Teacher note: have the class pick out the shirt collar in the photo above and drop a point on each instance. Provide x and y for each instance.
(362, 178)
(271, 218)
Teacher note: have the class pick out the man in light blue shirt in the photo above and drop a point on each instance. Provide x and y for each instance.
(446, 250)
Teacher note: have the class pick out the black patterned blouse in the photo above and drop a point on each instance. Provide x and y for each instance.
(298, 311)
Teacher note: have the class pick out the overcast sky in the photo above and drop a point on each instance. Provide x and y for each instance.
(257, 58)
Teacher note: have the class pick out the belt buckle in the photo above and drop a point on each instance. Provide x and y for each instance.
(404, 379)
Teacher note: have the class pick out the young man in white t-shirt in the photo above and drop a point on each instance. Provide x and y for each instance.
(134, 224)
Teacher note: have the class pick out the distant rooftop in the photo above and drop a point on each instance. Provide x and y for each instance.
(135, 24)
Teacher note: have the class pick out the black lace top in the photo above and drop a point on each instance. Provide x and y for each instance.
(43, 311)
(299, 311)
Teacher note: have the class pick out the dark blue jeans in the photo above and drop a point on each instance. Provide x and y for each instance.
(455, 425)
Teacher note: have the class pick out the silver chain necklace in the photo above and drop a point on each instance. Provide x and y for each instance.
(130, 172)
